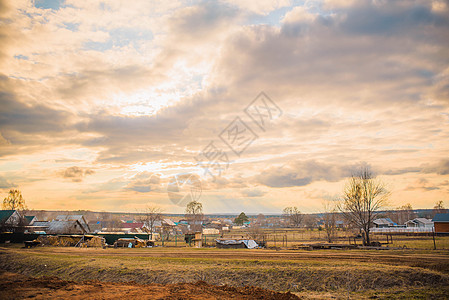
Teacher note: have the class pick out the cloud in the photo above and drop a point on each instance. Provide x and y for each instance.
(200, 21)
(423, 184)
(256, 192)
(145, 182)
(262, 7)
(403, 171)
(76, 174)
(320, 56)
(121, 87)
(302, 173)
(36, 118)
(5, 183)
(386, 19)
(440, 168)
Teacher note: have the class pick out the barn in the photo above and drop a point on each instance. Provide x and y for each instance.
(441, 223)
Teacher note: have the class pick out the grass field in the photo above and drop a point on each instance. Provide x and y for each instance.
(398, 274)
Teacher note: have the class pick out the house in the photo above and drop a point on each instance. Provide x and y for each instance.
(9, 217)
(30, 220)
(419, 222)
(441, 223)
(10, 220)
(70, 218)
(66, 227)
(384, 222)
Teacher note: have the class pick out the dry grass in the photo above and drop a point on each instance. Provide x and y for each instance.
(361, 273)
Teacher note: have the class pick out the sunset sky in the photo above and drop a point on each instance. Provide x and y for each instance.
(103, 102)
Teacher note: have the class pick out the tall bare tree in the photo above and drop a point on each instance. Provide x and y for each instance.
(149, 217)
(194, 215)
(330, 220)
(364, 194)
(293, 215)
(14, 201)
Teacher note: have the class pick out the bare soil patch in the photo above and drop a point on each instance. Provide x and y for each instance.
(16, 286)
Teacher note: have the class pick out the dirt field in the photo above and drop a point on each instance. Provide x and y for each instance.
(15, 286)
(399, 274)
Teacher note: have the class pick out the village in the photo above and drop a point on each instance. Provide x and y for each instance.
(154, 229)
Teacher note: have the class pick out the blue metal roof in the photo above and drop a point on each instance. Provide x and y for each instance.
(5, 214)
(441, 218)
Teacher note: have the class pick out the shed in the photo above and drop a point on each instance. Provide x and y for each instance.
(441, 223)
(384, 222)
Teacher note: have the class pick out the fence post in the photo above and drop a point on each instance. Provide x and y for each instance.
(433, 235)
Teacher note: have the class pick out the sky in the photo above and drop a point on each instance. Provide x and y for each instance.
(105, 105)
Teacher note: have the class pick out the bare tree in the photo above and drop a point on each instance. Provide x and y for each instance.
(293, 215)
(330, 220)
(439, 208)
(149, 217)
(194, 215)
(14, 201)
(114, 223)
(255, 232)
(364, 194)
(260, 219)
(309, 222)
(404, 213)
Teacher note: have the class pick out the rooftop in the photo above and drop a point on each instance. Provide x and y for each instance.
(5, 214)
(441, 218)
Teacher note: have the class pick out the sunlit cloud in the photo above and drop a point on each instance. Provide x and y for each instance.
(101, 103)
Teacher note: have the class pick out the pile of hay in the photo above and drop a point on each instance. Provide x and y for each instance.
(97, 242)
(58, 241)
